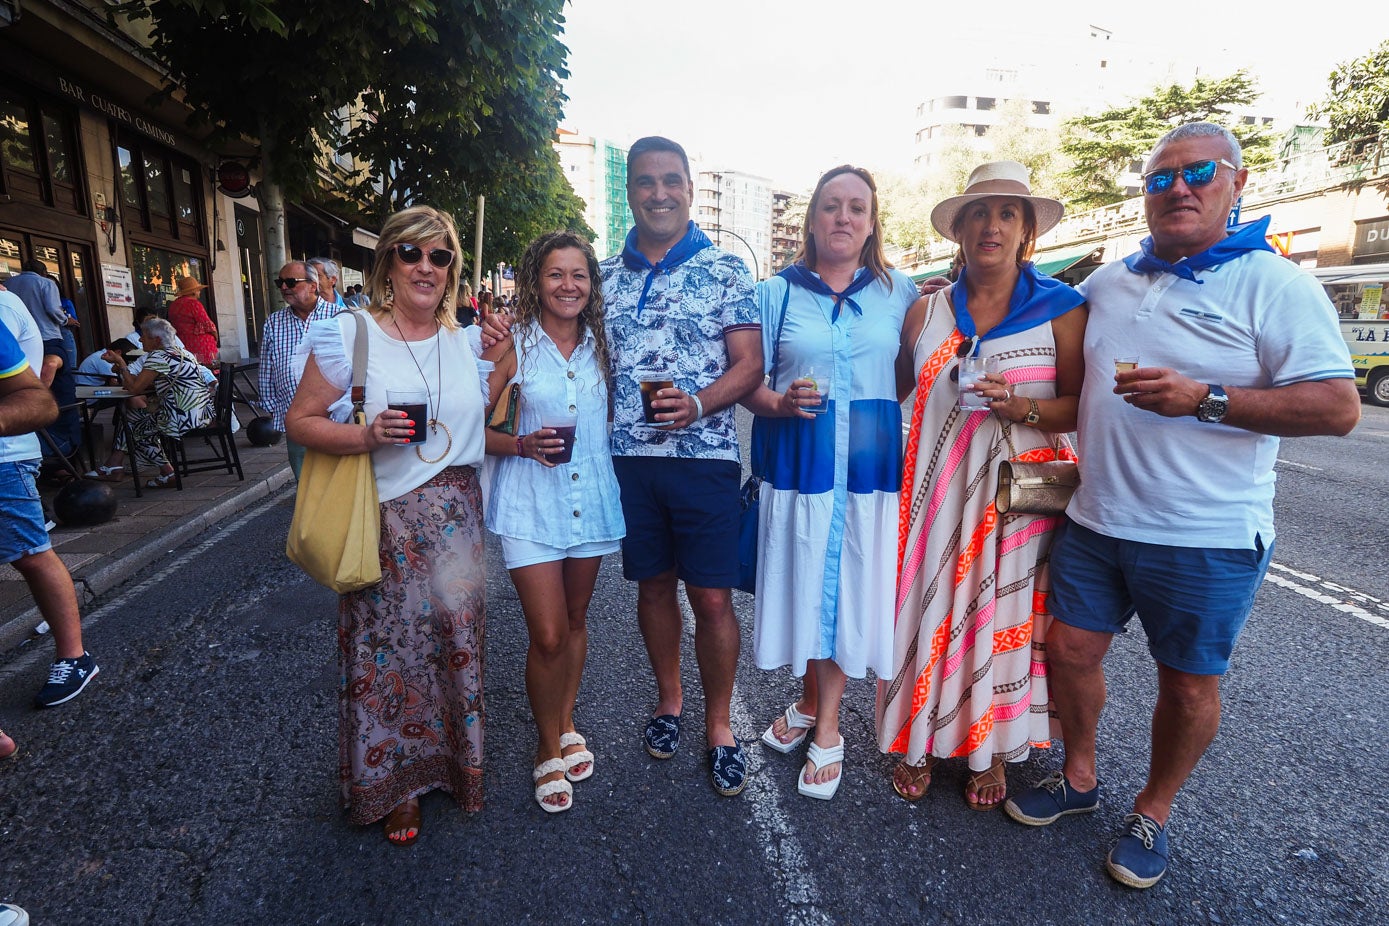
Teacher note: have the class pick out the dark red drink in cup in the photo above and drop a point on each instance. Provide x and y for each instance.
(564, 429)
(649, 389)
(416, 408)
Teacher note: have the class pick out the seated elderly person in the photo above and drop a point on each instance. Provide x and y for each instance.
(182, 400)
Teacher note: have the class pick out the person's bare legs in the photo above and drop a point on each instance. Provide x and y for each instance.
(580, 576)
(1185, 721)
(51, 585)
(830, 683)
(716, 649)
(1075, 675)
(658, 617)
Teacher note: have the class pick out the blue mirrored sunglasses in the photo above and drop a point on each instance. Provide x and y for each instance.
(1195, 174)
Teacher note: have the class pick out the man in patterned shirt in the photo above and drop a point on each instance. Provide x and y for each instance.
(681, 310)
(298, 285)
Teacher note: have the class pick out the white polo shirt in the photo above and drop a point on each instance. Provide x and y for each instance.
(1256, 321)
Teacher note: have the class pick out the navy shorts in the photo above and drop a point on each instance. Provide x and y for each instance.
(681, 514)
(1191, 601)
(22, 531)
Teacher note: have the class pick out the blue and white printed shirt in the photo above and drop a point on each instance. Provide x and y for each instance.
(681, 329)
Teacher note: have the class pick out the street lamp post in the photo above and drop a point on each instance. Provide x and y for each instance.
(721, 231)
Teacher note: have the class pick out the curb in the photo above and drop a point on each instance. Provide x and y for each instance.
(109, 573)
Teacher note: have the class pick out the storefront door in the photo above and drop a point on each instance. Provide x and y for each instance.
(253, 276)
(70, 263)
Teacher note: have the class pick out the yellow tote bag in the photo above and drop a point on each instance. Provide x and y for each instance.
(335, 535)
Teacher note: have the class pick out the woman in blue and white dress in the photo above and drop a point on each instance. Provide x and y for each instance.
(828, 443)
(554, 500)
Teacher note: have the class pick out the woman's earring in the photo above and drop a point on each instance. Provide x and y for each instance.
(390, 293)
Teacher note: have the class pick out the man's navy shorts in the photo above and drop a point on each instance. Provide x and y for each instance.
(681, 514)
(1191, 601)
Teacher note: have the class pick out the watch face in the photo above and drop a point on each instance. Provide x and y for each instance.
(1212, 408)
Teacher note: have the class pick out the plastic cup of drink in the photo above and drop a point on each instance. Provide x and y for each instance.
(564, 427)
(415, 405)
(652, 382)
(1122, 364)
(972, 369)
(820, 382)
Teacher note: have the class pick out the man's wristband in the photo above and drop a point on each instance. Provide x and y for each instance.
(699, 406)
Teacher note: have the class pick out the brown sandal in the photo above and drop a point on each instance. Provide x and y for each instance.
(993, 777)
(907, 778)
(404, 819)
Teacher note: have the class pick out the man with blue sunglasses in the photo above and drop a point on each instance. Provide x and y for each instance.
(1173, 519)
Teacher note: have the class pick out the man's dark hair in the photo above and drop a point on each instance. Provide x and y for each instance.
(143, 313)
(121, 346)
(657, 143)
(34, 265)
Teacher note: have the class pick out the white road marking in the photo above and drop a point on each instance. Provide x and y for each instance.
(786, 860)
(1279, 575)
(1313, 469)
(94, 617)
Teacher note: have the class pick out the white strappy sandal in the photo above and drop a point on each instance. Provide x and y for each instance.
(559, 786)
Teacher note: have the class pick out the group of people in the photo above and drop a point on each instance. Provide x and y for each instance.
(986, 629)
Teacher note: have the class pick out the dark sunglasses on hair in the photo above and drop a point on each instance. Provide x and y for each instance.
(289, 282)
(1196, 174)
(411, 254)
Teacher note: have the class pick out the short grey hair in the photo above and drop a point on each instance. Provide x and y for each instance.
(1203, 130)
(162, 329)
(329, 266)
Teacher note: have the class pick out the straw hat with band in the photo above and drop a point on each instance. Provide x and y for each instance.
(187, 286)
(997, 178)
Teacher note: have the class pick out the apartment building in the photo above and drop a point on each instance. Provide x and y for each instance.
(597, 172)
(735, 210)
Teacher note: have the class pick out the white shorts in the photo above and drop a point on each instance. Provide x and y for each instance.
(518, 553)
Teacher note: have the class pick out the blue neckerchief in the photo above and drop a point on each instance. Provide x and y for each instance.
(687, 247)
(1251, 236)
(1036, 300)
(807, 279)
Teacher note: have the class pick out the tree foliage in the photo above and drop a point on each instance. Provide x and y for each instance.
(1101, 147)
(454, 98)
(1356, 106)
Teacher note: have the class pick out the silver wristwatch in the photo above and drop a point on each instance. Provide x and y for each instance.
(1214, 406)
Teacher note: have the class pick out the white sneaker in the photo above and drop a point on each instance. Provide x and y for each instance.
(10, 915)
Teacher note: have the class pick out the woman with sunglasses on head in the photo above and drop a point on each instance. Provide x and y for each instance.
(827, 441)
(969, 673)
(554, 499)
(410, 647)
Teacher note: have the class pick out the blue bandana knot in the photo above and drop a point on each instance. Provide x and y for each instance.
(1252, 236)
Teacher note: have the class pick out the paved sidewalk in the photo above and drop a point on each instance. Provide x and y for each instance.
(143, 530)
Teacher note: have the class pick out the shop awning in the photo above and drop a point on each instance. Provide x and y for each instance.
(1055, 262)
(363, 238)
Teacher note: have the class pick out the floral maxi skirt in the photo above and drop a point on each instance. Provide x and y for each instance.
(411, 651)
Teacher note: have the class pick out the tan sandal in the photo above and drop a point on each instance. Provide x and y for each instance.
(993, 777)
(402, 825)
(911, 782)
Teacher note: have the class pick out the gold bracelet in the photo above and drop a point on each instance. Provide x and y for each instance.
(1034, 413)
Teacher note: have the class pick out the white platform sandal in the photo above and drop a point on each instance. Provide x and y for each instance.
(559, 786)
(576, 758)
(820, 757)
(795, 720)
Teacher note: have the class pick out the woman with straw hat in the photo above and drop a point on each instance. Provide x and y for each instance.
(969, 667)
(195, 329)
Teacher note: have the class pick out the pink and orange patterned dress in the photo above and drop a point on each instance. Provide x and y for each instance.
(969, 662)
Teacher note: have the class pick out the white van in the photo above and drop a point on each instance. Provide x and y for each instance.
(1358, 291)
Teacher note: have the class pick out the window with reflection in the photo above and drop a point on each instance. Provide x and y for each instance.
(39, 159)
(154, 271)
(160, 190)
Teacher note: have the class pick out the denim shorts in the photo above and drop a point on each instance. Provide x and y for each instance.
(681, 514)
(21, 525)
(1191, 601)
(518, 553)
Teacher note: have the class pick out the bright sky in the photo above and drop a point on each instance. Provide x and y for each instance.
(789, 88)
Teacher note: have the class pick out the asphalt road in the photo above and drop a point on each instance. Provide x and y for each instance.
(193, 783)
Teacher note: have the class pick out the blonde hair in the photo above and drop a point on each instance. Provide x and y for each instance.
(415, 225)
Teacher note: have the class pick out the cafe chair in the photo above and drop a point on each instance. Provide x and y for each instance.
(217, 437)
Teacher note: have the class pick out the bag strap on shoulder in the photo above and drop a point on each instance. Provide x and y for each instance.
(359, 362)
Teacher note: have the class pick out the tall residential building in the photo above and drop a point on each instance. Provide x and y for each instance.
(735, 210)
(597, 171)
(788, 215)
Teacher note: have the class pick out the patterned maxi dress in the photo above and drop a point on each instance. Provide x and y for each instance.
(969, 674)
